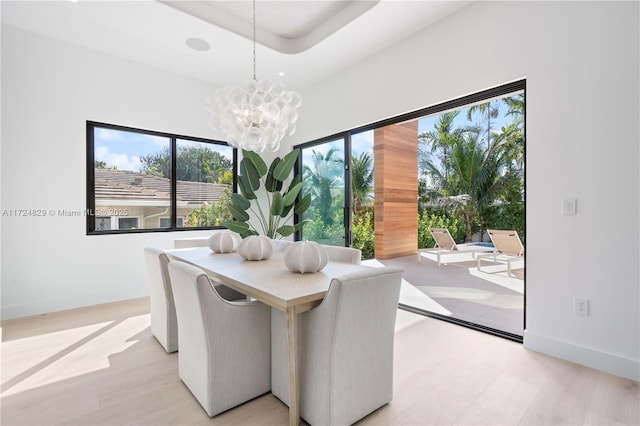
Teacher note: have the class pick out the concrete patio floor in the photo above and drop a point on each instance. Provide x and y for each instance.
(457, 289)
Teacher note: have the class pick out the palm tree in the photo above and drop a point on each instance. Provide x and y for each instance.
(474, 182)
(320, 179)
(511, 139)
(468, 175)
(515, 104)
(440, 140)
(361, 179)
(491, 110)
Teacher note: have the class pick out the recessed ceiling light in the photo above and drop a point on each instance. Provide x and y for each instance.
(198, 44)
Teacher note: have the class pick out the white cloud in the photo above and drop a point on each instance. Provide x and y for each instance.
(102, 134)
(121, 161)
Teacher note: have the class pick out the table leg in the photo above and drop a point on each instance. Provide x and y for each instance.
(292, 343)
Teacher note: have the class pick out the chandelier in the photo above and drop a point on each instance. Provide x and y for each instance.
(257, 115)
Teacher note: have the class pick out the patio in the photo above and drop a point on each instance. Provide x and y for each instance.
(489, 298)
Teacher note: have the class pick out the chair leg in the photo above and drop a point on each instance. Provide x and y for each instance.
(479, 263)
(509, 273)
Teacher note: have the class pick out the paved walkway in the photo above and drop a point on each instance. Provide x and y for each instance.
(489, 298)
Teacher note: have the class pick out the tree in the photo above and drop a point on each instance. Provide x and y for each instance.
(226, 178)
(102, 165)
(473, 171)
(438, 142)
(211, 214)
(361, 179)
(475, 180)
(491, 110)
(320, 179)
(194, 164)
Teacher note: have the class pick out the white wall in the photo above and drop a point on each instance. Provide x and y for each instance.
(49, 90)
(580, 60)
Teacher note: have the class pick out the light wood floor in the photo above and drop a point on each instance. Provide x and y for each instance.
(101, 366)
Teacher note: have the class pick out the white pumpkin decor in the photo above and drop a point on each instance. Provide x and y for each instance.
(224, 242)
(306, 256)
(256, 247)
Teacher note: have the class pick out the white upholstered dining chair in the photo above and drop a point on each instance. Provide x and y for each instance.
(190, 242)
(224, 348)
(279, 363)
(343, 254)
(346, 349)
(281, 245)
(164, 326)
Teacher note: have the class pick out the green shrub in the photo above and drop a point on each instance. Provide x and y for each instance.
(211, 214)
(429, 218)
(363, 236)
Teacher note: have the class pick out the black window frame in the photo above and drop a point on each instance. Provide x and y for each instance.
(173, 138)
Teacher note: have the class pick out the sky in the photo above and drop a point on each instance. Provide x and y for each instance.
(123, 149)
(427, 123)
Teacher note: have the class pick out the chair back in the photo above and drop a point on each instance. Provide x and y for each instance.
(224, 356)
(191, 242)
(279, 364)
(347, 359)
(193, 365)
(164, 324)
(281, 245)
(343, 254)
(506, 242)
(443, 238)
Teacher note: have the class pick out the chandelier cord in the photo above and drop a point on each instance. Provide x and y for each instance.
(258, 115)
(254, 41)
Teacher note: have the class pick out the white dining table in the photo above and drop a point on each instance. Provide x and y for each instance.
(270, 282)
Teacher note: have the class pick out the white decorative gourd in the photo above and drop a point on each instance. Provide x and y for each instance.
(306, 256)
(256, 247)
(224, 242)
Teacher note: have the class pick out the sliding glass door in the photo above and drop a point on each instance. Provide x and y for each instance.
(459, 166)
(325, 178)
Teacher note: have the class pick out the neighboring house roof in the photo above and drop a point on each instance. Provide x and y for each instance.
(127, 185)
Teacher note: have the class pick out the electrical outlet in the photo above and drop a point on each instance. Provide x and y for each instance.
(581, 306)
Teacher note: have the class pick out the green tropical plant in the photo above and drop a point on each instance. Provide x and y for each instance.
(363, 236)
(432, 218)
(321, 179)
(281, 205)
(361, 179)
(475, 180)
(436, 145)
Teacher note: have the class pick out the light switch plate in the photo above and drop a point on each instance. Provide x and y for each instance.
(569, 206)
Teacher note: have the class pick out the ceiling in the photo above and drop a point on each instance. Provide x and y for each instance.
(299, 42)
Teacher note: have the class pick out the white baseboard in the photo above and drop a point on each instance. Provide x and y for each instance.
(603, 361)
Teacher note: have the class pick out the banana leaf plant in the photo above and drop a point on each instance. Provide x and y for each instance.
(273, 217)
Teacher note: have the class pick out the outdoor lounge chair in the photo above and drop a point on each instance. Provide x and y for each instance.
(508, 248)
(446, 245)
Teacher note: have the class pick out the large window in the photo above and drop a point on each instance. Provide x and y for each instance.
(458, 165)
(139, 181)
(341, 211)
(324, 179)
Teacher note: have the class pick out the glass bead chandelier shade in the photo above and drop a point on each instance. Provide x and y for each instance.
(256, 116)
